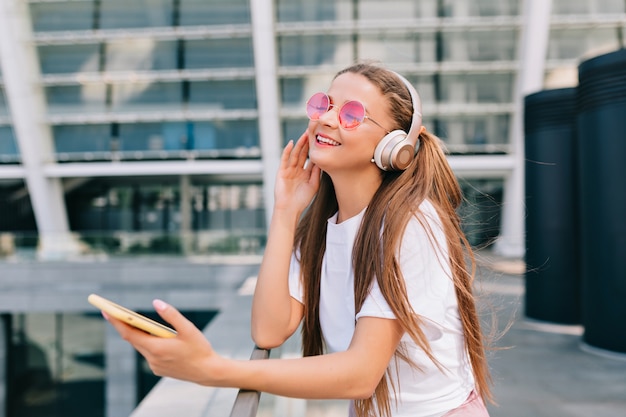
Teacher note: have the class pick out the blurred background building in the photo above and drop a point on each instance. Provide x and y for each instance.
(155, 126)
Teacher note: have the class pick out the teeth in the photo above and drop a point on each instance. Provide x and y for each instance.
(327, 141)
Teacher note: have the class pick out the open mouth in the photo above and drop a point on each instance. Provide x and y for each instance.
(326, 141)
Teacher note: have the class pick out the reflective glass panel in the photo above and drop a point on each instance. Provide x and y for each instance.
(141, 54)
(89, 97)
(57, 365)
(4, 108)
(479, 45)
(476, 88)
(236, 94)
(463, 8)
(394, 9)
(226, 135)
(481, 210)
(147, 95)
(8, 145)
(55, 59)
(560, 7)
(54, 16)
(398, 48)
(315, 50)
(214, 12)
(474, 134)
(116, 14)
(82, 138)
(311, 11)
(577, 43)
(219, 53)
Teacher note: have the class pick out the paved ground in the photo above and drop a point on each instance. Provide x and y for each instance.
(546, 371)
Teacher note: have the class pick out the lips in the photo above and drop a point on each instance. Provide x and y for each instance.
(326, 141)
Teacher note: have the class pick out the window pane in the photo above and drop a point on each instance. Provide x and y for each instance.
(576, 43)
(69, 58)
(463, 8)
(75, 15)
(117, 14)
(146, 95)
(8, 145)
(292, 129)
(76, 98)
(312, 11)
(141, 54)
(214, 12)
(585, 6)
(219, 53)
(408, 48)
(470, 46)
(406, 9)
(57, 364)
(226, 135)
(239, 94)
(4, 108)
(81, 138)
(489, 133)
(476, 88)
(314, 50)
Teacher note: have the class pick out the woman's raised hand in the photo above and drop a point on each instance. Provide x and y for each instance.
(297, 180)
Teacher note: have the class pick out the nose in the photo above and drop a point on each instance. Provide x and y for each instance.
(330, 117)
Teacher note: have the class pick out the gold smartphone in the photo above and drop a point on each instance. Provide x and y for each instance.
(130, 317)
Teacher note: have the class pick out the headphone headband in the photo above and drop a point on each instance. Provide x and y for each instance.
(396, 150)
(416, 121)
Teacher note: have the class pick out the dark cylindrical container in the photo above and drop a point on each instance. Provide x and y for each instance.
(552, 272)
(602, 160)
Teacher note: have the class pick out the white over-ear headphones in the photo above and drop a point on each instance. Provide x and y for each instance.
(396, 150)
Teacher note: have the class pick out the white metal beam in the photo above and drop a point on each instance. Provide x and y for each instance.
(532, 60)
(270, 132)
(151, 168)
(25, 96)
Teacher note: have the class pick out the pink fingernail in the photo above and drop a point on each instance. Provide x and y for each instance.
(159, 305)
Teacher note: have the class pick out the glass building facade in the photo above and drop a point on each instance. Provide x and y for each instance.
(137, 125)
(159, 81)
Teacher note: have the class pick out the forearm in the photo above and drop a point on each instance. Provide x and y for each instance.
(340, 375)
(272, 318)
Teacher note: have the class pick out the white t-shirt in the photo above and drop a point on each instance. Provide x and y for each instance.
(425, 392)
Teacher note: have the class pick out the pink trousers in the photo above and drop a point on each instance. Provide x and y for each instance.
(472, 407)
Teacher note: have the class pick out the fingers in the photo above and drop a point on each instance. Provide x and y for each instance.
(295, 154)
(173, 317)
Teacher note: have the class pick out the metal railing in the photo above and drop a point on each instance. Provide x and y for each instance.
(247, 401)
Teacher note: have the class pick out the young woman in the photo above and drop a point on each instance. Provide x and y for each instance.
(365, 253)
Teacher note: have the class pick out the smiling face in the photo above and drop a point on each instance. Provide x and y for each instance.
(337, 150)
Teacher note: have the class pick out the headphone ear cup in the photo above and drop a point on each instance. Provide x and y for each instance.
(391, 151)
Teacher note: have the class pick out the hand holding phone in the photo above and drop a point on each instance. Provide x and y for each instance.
(130, 317)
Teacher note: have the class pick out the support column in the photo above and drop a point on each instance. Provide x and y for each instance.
(265, 64)
(121, 375)
(185, 195)
(25, 96)
(532, 55)
(4, 350)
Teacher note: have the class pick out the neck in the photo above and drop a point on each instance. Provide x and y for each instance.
(354, 193)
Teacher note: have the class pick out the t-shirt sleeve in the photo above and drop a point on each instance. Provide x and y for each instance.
(425, 267)
(295, 283)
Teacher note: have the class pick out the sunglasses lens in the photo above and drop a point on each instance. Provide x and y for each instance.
(317, 105)
(351, 115)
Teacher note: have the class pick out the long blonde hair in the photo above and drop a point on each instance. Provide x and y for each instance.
(397, 200)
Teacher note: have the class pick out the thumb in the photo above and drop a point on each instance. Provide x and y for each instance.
(172, 316)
